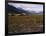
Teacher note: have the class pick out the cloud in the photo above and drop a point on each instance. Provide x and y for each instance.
(29, 7)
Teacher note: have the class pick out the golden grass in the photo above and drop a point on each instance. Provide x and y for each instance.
(24, 23)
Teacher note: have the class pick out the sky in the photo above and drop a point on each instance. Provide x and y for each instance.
(28, 7)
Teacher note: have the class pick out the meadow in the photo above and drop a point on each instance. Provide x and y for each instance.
(33, 23)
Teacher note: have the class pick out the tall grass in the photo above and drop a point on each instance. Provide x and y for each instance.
(24, 23)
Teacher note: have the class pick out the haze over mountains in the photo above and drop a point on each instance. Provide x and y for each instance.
(20, 10)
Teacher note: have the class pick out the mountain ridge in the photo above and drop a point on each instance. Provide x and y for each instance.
(20, 10)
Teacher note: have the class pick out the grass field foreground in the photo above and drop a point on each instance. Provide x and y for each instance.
(25, 23)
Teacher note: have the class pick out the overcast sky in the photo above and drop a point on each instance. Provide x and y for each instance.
(28, 7)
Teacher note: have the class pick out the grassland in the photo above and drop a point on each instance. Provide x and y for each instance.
(25, 23)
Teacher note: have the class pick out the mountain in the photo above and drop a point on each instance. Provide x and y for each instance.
(12, 9)
(34, 12)
(40, 13)
(19, 10)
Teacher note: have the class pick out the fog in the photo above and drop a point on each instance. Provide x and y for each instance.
(28, 7)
